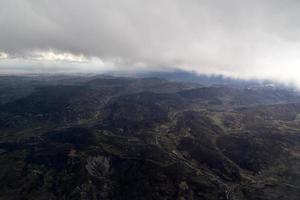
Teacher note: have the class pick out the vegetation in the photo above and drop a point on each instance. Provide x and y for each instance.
(147, 138)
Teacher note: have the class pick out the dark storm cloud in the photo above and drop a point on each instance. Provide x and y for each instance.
(257, 38)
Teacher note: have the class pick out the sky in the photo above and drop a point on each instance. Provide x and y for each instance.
(237, 38)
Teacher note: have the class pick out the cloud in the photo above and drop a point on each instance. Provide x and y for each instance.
(53, 56)
(53, 62)
(258, 38)
(3, 55)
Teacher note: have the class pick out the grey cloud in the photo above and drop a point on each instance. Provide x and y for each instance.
(257, 38)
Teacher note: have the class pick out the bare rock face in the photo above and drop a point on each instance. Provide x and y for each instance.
(98, 166)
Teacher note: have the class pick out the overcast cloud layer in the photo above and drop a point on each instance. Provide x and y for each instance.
(241, 38)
